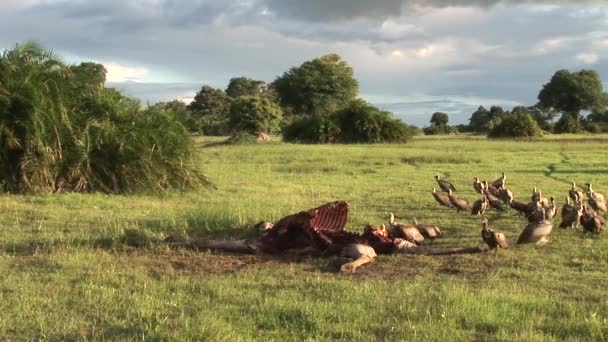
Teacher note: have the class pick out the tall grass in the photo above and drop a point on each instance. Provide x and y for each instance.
(59, 134)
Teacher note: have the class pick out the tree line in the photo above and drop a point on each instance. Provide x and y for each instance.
(316, 102)
(566, 97)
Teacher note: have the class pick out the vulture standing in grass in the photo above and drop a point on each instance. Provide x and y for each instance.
(490, 189)
(596, 199)
(495, 203)
(478, 186)
(536, 232)
(404, 231)
(480, 206)
(444, 184)
(535, 212)
(500, 182)
(505, 195)
(494, 240)
(427, 230)
(442, 199)
(591, 221)
(519, 206)
(458, 203)
(551, 210)
(537, 195)
(575, 194)
(571, 214)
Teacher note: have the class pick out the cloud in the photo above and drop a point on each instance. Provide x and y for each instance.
(121, 73)
(588, 58)
(340, 10)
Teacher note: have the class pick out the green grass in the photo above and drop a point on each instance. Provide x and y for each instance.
(68, 275)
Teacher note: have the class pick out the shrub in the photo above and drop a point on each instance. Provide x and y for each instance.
(358, 123)
(568, 123)
(516, 125)
(254, 115)
(56, 135)
(315, 129)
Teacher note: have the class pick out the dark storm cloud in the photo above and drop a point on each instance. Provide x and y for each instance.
(324, 10)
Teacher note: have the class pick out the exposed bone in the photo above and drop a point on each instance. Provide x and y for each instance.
(352, 266)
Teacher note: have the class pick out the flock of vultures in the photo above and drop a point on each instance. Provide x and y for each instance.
(320, 231)
(539, 211)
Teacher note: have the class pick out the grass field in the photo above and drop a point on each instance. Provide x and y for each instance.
(68, 275)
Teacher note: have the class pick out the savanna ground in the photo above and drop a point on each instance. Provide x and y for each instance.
(68, 275)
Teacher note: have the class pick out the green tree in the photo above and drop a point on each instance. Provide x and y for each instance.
(568, 123)
(516, 124)
(320, 86)
(89, 75)
(439, 119)
(210, 111)
(243, 86)
(363, 123)
(254, 115)
(571, 93)
(479, 119)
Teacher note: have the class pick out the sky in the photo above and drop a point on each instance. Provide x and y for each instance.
(412, 57)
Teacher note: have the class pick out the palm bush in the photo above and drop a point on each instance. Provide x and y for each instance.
(58, 135)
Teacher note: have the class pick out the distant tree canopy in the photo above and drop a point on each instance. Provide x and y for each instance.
(439, 124)
(243, 86)
(359, 122)
(254, 114)
(439, 119)
(210, 111)
(483, 120)
(62, 130)
(571, 93)
(321, 86)
(518, 123)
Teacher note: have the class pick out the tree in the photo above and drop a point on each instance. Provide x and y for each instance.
(320, 86)
(89, 75)
(516, 124)
(210, 111)
(569, 92)
(568, 123)
(254, 115)
(243, 86)
(359, 122)
(439, 119)
(479, 119)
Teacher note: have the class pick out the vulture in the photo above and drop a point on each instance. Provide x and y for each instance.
(404, 231)
(591, 221)
(535, 212)
(519, 206)
(500, 182)
(480, 206)
(442, 199)
(444, 184)
(536, 232)
(551, 210)
(494, 240)
(571, 214)
(505, 195)
(537, 195)
(596, 199)
(490, 189)
(575, 194)
(478, 186)
(458, 202)
(429, 231)
(495, 203)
